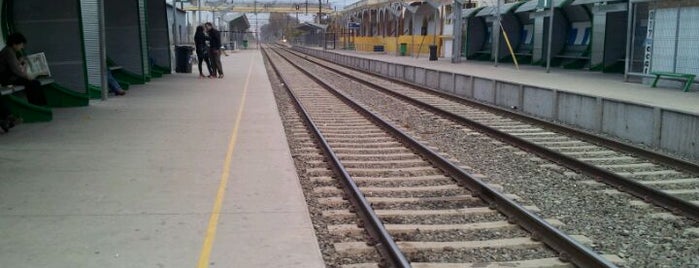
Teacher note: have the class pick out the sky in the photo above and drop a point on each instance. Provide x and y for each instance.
(263, 18)
(338, 4)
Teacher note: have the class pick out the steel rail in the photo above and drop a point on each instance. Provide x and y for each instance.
(389, 249)
(648, 194)
(568, 248)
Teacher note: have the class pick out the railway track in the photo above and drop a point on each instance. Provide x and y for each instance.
(655, 178)
(419, 209)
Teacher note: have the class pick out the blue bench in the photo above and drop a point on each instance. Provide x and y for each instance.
(576, 53)
(578, 42)
(526, 44)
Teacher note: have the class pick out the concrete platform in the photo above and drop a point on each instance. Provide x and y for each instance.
(133, 182)
(599, 84)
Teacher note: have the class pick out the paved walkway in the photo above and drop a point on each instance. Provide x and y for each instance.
(590, 83)
(132, 182)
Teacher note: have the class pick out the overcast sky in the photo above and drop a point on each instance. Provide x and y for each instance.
(263, 18)
(339, 4)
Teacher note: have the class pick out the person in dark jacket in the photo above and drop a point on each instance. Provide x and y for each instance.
(12, 71)
(200, 39)
(215, 52)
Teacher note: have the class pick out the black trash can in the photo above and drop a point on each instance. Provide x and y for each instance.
(182, 59)
(433, 52)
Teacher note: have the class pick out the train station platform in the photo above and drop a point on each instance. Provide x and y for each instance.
(180, 172)
(599, 84)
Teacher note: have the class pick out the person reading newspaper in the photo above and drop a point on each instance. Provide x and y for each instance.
(16, 72)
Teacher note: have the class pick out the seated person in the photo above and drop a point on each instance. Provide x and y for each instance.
(114, 86)
(12, 71)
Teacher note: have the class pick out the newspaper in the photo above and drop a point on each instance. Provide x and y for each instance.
(37, 66)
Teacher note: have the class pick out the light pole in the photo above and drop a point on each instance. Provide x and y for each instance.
(548, 52)
(320, 23)
(456, 32)
(175, 32)
(257, 30)
(496, 35)
(320, 11)
(199, 12)
(103, 50)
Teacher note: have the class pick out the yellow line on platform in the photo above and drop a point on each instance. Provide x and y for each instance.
(218, 203)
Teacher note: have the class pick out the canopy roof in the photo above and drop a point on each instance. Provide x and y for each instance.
(239, 22)
(309, 26)
(493, 10)
(532, 5)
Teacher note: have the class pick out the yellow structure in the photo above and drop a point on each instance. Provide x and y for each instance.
(417, 44)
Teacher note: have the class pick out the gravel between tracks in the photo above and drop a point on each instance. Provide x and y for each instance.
(610, 221)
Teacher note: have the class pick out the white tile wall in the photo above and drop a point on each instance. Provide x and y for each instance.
(688, 42)
(663, 55)
(670, 44)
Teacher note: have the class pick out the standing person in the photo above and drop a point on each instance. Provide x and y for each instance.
(215, 41)
(13, 73)
(200, 39)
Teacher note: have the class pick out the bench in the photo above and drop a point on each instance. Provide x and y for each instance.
(124, 75)
(487, 48)
(526, 47)
(578, 43)
(11, 89)
(678, 76)
(21, 107)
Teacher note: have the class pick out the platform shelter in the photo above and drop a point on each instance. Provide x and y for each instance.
(54, 29)
(127, 40)
(80, 41)
(158, 34)
(238, 27)
(510, 26)
(313, 34)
